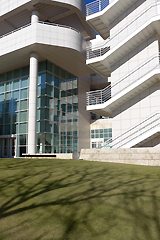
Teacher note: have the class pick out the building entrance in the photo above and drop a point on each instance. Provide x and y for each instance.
(7, 146)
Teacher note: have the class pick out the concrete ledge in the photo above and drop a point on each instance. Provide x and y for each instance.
(138, 156)
(50, 155)
(64, 155)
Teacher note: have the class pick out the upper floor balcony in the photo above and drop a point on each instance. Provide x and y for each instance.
(143, 26)
(17, 13)
(100, 14)
(41, 32)
(106, 101)
(58, 43)
(96, 6)
(151, 10)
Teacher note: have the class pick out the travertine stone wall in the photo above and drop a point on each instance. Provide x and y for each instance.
(137, 156)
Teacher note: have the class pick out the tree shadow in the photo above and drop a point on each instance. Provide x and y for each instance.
(84, 190)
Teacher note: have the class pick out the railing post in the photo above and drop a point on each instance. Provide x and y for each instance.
(87, 54)
(101, 97)
(87, 100)
(99, 5)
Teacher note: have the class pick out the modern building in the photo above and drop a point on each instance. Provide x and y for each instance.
(126, 54)
(43, 77)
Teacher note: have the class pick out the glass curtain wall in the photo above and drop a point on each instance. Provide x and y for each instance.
(57, 112)
(14, 106)
(57, 108)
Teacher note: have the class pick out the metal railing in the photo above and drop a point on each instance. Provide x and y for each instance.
(96, 52)
(103, 95)
(59, 25)
(96, 6)
(98, 96)
(134, 133)
(29, 24)
(15, 30)
(129, 28)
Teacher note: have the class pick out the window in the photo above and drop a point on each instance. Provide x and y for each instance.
(100, 136)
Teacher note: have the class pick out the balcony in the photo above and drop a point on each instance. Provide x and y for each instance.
(42, 32)
(144, 25)
(128, 29)
(50, 41)
(107, 100)
(96, 6)
(100, 14)
(137, 135)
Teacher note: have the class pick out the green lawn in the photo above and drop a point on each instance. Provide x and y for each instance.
(78, 200)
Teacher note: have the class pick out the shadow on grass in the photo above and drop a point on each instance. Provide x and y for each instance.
(98, 197)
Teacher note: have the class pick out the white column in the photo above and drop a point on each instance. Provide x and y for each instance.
(33, 76)
(34, 17)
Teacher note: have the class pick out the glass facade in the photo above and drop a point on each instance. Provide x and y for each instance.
(14, 108)
(57, 109)
(100, 136)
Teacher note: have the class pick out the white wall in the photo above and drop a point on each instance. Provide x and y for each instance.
(137, 109)
(135, 65)
(10, 5)
(132, 19)
(131, 68)
(138, 62)
(101, 123)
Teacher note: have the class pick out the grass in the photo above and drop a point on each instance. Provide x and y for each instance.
(69, 200)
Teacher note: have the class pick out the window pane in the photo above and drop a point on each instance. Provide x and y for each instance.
(23, 104)
(23, 93)
(1, 88)
(16, 84)
(16, 94)
(22, 128)
(8, 86)
(1, 97)
(24, 82)
(23, 116)
(8, 96)
(22, 139)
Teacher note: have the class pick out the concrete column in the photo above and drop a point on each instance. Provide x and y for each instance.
(33, 76)
(34, 17)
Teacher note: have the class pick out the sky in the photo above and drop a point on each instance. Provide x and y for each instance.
(88, 1)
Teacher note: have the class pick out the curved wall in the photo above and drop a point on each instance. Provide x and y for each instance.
(39, 33)
(10, 5)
